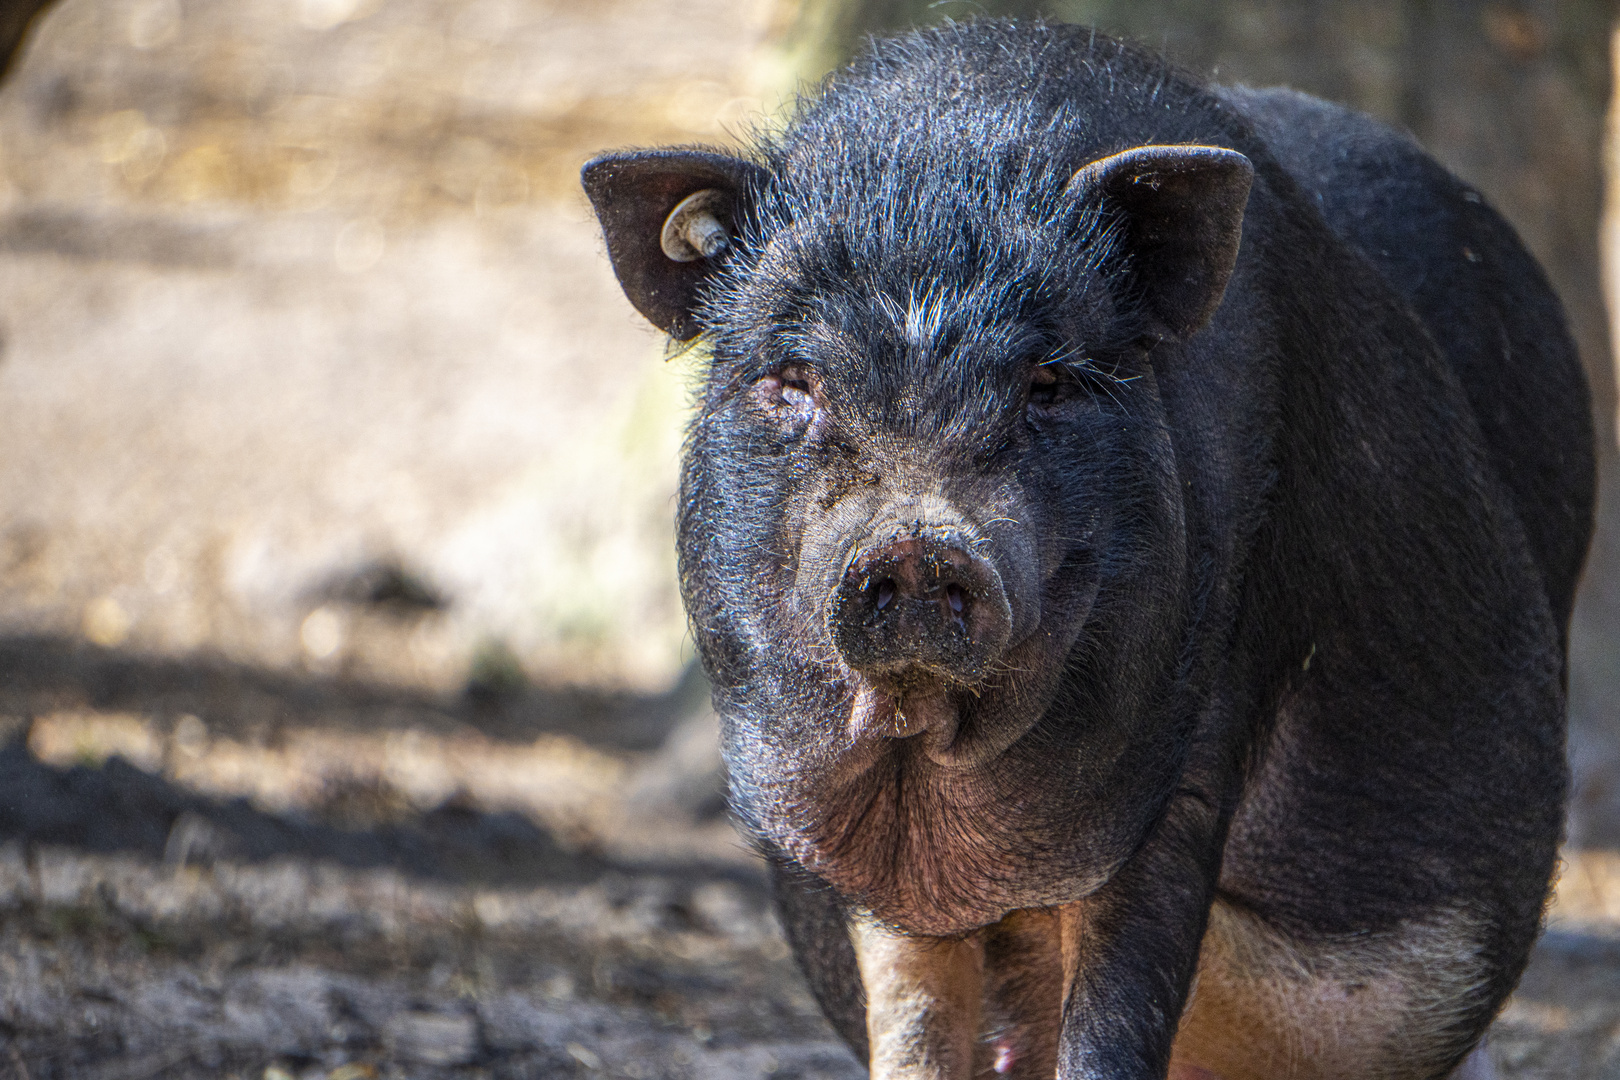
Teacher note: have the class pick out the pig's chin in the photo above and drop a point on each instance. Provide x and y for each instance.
(932, 849)
(925, 813)
(916, 707)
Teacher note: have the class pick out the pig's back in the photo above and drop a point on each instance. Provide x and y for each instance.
(1481, 296)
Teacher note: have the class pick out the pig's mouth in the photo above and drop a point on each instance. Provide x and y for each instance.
(905, 705)
(958, 724)
(955, 725)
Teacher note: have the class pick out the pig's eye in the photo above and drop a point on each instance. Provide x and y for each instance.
(1055, 386)
(789, 393)
(1051, 385)
(796, 392)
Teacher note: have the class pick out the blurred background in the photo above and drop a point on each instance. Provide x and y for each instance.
(349, 722)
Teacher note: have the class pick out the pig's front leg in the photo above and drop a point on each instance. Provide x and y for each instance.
(923, 997)
(1130, 950)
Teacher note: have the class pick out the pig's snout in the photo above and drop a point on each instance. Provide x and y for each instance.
(923, 603)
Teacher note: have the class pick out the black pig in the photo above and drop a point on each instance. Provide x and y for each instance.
(1131, 527)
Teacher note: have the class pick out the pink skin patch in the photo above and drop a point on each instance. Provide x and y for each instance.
(1006, 1055)
(1183, 1071)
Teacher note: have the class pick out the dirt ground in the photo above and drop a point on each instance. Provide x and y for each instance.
(218, 871)
(224, 872)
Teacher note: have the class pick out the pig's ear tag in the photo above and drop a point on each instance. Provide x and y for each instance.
(693, 230)
(1183, 210)
(666, 215)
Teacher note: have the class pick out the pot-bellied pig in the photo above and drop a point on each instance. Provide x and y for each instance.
(1130, 525)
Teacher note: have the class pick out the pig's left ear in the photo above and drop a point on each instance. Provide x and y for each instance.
(668, 216)
(1183, 212)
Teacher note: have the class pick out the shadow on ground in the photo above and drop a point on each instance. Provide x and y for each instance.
(117, 807)
(40, 673)
(120, 808)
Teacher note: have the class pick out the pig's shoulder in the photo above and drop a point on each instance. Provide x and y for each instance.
(1467, 276)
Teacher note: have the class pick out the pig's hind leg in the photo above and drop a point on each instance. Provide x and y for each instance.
(1388, 1006)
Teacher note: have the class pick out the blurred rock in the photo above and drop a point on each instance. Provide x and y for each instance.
(194, 840)
(686, 777)
(433, 1038)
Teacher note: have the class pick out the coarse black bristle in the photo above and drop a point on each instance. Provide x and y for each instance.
(931, 175)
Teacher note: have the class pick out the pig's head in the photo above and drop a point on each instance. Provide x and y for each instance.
(931, 528)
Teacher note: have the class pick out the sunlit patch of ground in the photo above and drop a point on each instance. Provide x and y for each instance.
(295, 292)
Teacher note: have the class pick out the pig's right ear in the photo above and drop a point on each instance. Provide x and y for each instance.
(668, 216)
(1183, 212)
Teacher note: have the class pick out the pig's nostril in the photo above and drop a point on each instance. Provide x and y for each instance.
(915, 604)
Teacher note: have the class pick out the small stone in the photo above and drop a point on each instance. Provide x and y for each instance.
(354, 1070)
(585, 1057)
(433, 1038)
(106, 622)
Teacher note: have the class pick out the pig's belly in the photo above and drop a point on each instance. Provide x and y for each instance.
(1376, 1007)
